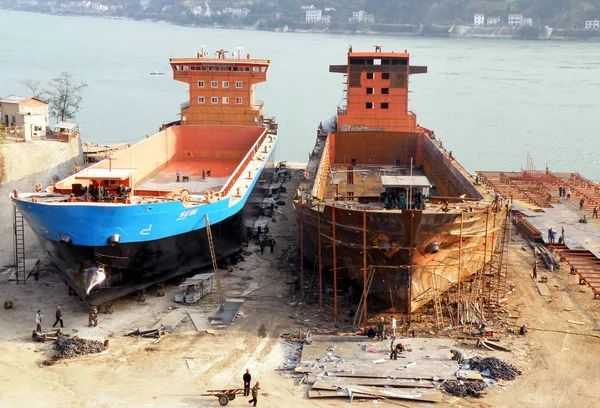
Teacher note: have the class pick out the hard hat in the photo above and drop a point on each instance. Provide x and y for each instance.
(381, 319)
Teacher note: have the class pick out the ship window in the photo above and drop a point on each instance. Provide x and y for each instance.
(238, 100)
(385, 105)
(201, 99)
(225, 84)
(203, 69)
(385, 75)
(200, 84)
(255, 69)
(263, 69)
(225, 100)
(370, 75)
(214, 84)
(370, 105)
(184, 67)
(377, 61)
(238, 84)
(385, 91)
(353, 162)
(370, 91)
(214, 100)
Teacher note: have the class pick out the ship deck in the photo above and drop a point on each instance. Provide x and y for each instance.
(164, 179)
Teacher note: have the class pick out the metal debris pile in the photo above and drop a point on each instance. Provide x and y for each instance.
(464, 389)
(494, 368)
(69, 347)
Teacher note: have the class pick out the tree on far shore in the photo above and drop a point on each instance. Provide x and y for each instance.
(64, 96)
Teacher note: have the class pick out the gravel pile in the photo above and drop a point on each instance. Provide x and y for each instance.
(69, 347)
(495, 367)
(464, 389)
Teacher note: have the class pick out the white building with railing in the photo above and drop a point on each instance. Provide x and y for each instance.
(478, 19)
(592, 24)
(314, 16)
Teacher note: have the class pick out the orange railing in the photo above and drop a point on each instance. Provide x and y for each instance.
(239, 170)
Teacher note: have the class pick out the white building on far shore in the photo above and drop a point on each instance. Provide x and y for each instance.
(492, 21)
(478, 19)
(592, 24)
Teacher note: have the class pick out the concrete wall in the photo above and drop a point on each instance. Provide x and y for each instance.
(22, 166)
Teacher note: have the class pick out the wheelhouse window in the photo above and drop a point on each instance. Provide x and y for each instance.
(238, 84)
(225, 84)
(214, 84)
(214, 100)
(200, 84)
(201, 99)
(238, 100)
(225, 100)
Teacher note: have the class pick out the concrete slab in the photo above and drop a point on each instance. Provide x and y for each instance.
(171, 320)
(226, 312)
(200, 321)
(355, 356)
(542, 288)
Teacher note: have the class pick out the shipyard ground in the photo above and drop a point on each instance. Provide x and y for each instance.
(558, 359)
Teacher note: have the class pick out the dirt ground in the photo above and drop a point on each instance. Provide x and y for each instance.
(558, 359)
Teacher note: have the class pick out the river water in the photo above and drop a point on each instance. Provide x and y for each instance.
(491, 101)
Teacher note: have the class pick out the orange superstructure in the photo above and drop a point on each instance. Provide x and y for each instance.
(221, 89)
(377, 88)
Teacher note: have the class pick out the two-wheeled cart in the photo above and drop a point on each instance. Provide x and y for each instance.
(224, 396)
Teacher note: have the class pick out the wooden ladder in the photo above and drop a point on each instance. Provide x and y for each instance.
(437, 304)
(358, 318)
(213, 257)
(19, 230)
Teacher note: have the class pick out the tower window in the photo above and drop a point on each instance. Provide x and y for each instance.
(225, 100)
(385, 91)
(225, 84)
(370, 105)
(370, 75)
(238, 84)
(214, 84)
(385, 105)
(214, 100)
(200, 84)
(370, 91)
(201, 99)
(238, 100)
(385, 75)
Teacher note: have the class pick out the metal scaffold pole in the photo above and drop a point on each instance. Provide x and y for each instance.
(213, 257)
(459, 271)
(302, 251)
(334, 264)
(319, 256)
(365, 293)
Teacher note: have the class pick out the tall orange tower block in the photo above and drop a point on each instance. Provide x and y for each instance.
(222, 89)
(377, 92)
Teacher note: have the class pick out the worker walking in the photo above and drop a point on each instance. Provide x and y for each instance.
(581, 202)
(247, 378)
(177, 175)
(381, 329)
(534, 269)
(560, 191)
(254, 394)
(38, 321)
(272, 244)
(58, 316)
(595, 214)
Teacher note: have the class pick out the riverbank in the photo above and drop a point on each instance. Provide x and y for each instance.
(404, 30)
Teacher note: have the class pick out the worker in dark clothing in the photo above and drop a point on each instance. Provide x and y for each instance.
(177, 176)
(560, 191)
(272, 244)
(254, 394)
(581, 202)
(58, 316)
(371, 333)
(595, 213)
(248, 234)
(208, 173)
(534, 269)
(523, 330)
(262, 247)
(247, 378)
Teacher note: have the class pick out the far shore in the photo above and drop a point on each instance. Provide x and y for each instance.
(315, 31)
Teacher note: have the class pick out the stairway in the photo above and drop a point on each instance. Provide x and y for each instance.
(439, 315)
(213, 257)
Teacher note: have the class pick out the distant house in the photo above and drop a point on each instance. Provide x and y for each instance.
(237, 12)
(314, 16)
(311, 7)
(515, 19)
(492, 21)
(329, 9)
(592, 24)
(528, 22)
(362, 16)
(29, 113)
(478, 19)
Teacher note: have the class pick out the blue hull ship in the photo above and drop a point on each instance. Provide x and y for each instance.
(139, 217)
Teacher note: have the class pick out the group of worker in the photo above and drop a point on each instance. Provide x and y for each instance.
(247, 378)
(205, 174)
(39, 315)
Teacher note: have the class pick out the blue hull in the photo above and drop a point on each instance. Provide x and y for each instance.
(157, 241)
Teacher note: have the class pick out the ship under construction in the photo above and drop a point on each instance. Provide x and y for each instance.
(384, 209)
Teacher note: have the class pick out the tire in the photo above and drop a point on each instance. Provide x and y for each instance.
(231, 397)
(223, 399)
